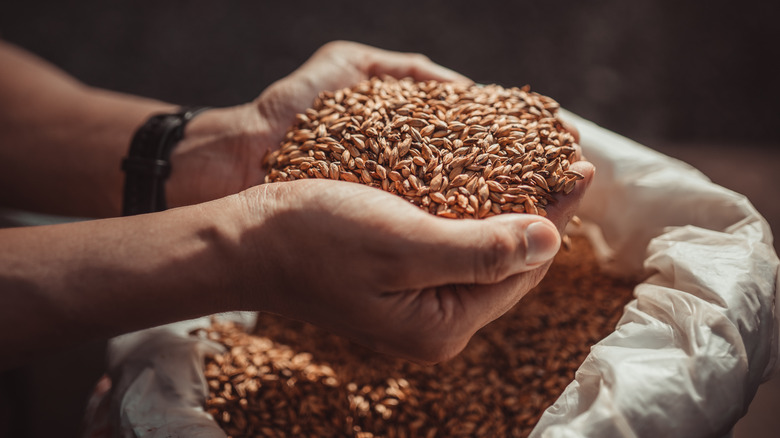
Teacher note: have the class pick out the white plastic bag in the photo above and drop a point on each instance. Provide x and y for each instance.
(690, 351)
(158, 386)
(687, 355)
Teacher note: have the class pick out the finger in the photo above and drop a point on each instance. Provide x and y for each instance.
(572, 129)
(417, 66)
(446, 251)
(561, 212)
(485, 303)
(488, 251)
(446, 317)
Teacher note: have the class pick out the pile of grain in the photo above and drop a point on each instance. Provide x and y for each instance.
(454, 150)
(296, 380)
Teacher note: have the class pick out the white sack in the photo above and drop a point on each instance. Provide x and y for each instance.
(690, 351)
(158, 382)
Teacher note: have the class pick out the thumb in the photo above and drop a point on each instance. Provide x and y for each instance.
(490, 250)
(482, 251)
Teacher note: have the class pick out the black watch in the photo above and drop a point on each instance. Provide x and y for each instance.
(147, 165)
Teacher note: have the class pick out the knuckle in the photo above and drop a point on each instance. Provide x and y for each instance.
(436, 344)
(447, 352)
(393, 275)
(492, 264)
(337, 46)
(420, 58)
(327, 48)
(433, 353)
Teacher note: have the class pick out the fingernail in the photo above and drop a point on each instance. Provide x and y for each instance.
(541, 242)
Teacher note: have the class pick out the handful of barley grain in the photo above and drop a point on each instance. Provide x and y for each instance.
(455, 150)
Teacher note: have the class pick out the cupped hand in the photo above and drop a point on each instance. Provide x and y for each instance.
(369, 265)
(337, 65)
(223, 148)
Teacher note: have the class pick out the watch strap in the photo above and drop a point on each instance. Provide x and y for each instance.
(147, 165)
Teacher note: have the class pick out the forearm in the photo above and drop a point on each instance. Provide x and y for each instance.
(62, 141)
(66, 284)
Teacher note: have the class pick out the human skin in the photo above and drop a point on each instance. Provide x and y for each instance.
(350, 258)
(63, 140)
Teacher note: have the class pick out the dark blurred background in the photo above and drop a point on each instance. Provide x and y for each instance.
(696, 80)
(651, 70)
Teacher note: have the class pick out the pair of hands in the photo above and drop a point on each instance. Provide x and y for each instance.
(353, 259)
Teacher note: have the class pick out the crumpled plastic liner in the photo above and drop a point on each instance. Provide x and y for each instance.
(685, 359)
(690, 351)
(158, 382)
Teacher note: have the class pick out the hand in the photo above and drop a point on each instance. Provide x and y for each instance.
(223, 148)
(337, 65)
(368, 265)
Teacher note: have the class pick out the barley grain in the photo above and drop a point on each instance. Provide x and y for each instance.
(433, 136)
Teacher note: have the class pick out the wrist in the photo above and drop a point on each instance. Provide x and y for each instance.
(262, 247)
(147, 165)
(222, 227)
(219, 155)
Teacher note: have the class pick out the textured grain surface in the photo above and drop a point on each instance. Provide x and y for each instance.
(454, 150)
